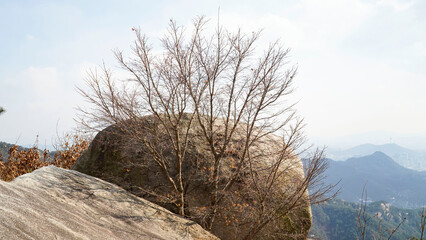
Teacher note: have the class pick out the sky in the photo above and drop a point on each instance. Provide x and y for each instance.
(361, 63)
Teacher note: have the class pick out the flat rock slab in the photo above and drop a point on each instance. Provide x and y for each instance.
(54, 203)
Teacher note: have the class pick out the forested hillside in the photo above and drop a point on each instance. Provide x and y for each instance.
(338, 220)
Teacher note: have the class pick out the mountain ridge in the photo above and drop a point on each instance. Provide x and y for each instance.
(378, 161)
(383, 178)
(408, 158)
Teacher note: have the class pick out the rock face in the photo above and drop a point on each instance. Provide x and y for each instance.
(117, 158)
(54, 203)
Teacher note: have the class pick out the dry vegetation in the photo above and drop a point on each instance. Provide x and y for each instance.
(20, 162)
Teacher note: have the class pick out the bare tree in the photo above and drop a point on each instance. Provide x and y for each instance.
(364, 221)
(422, 224)
(217, 92)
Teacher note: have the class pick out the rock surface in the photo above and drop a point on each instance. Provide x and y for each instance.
(118, 158)
(54, 203)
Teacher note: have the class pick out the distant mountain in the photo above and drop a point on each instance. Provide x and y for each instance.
(384, 179)
(337, 220)
(408, 158)
(411, 141)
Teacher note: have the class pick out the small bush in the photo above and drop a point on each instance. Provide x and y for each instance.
(20, 162)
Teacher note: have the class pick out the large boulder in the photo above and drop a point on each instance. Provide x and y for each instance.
(54, 203)
(120, 158)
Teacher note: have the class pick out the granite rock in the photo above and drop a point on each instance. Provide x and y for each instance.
(54, 203)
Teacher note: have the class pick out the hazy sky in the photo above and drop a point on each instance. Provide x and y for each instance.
(362, 64)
